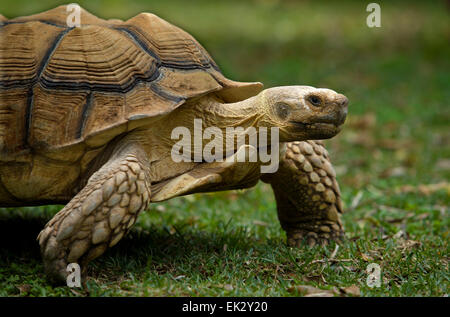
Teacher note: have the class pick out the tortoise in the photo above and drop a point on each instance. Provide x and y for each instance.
(87, 115)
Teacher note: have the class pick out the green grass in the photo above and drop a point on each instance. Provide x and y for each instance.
(395, 146)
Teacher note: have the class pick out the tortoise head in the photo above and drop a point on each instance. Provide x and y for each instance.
(304, 112)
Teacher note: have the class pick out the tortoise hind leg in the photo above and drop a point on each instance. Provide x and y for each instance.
(307, 194)
(99, 215)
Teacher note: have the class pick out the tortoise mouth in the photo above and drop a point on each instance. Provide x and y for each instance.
(316, 125)
(317, 130)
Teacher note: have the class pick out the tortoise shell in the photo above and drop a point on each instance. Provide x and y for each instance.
(63, 85)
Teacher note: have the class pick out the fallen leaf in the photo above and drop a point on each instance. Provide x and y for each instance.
(331, 260)
(423, 216)
(351, 290)
(399, 234)
(365, 140)
(323, 294)
(396, 220)
(333, 255)
(373, 221)
(311, 291)
(393, 172)
(228, 287)
(408, 244)
(366, 121)
(352, 268)
(160, 208)
(312, 278)
(391, 209)
(443, 165)
(260, 223)
(425, 189)
(75, 292)
(340, 169)
(365, 257)
(356, 200)
(393, 144)
(24, 288)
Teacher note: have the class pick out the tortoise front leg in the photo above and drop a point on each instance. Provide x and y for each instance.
(307, 194)
(99, 215)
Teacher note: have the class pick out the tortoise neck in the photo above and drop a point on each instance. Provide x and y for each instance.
(216, 113)
(211, 122)
(210, 112)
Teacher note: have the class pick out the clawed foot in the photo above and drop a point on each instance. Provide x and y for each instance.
(95, 219)
(318, 235)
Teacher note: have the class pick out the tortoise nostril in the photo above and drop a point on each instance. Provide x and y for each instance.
(343, 101)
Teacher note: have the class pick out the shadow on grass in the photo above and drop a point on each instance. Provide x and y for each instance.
(155, 249)
(18, 237)
(162, 251)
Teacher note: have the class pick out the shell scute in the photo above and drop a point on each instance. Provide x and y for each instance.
(63, 85)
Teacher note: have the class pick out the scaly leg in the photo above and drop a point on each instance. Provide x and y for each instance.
(307, 194)
(99, 215)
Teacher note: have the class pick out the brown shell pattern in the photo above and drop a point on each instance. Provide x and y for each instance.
(63, 85)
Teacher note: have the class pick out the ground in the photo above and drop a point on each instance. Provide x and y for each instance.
(392, 159)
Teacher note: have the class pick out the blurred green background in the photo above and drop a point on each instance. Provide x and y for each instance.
(392, 158)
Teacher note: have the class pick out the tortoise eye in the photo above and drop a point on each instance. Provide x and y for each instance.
(315, 100)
